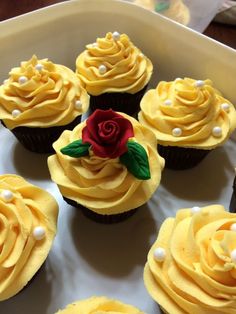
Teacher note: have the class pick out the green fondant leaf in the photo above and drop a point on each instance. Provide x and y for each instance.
(76, 149)
(162, 6)
(136, 161)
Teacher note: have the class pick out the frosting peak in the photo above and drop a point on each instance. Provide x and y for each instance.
(113, 64)
(42, 93)
(198, 274)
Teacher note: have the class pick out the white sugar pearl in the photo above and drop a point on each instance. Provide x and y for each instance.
(102, 69)
(168, 102)
(78, 104)
(7, 195)
(199, 83)
(217, 131)
(39, 233)
(159, 254)
(116, 36)
(141, 55)
(15, 113)
(225, 107)
(94, 45)
(178, 79)
(39, 67)
(195, 209)
(233, 255)
(233, 227)
(22, 79)
(176, 132)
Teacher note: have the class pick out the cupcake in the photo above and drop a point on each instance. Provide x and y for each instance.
(194, 271)
(28, 219)
(233, 198)
(189, 118)
(99, 305)
(115, 73)
(40, 100)
(107, 165)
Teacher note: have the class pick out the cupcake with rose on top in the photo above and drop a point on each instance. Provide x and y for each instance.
(194, 271)
(115, 73)
(28, 224)
(189, 117)
(39, 100)
(108, 166)
(101, 305)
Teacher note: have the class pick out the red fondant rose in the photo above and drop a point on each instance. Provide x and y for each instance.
(108, 133)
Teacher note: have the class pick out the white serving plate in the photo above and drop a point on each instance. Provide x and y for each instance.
(88, 258)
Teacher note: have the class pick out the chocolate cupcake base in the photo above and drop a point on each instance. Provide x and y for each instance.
(232, 206)
(180, 158)
(105, 219)
(40, 140)
(123, 102)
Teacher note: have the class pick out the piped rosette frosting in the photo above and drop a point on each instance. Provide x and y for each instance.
(108, 163)
(113, 64)
(40, 93)
(99, 305)
(28, 218)
(191, 268)
(188, 113)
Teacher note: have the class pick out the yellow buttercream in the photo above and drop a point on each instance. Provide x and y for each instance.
(195, 110)
(46, 99)
(99, 305)
(176, 10)
(127, 69)
(101, 184)
(198, 274)
(21, 255)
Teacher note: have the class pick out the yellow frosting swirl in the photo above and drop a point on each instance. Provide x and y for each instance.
(99, 305)
(28, 218)
(43, 93)
(197, 272)
(202, 117)
(101, 184)
(127, 70)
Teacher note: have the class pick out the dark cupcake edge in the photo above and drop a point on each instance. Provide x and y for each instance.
(40, 140)
(104, 219)
(181, 158)
(232, 206)
(122, 102)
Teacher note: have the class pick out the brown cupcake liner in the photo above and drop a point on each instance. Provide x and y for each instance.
(232, 206)
(104, 219)
(180, 158)
(40, 140)
(123, 102)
